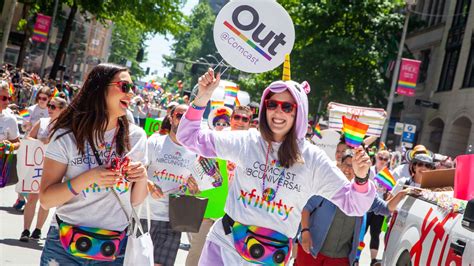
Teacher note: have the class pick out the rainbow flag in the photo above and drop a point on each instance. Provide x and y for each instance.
(360, 248)
(231, 91)
(55, 92)
(215, 104)
(11, 89)
(317, 131)
(385, 178)
(382, 146)
(24, 113)
(354, 131)
(237, 102)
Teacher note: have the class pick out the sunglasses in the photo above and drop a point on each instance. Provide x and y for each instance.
(6, 98)
(383, 158)
(125, 86)
(286, 107)
(221, 124)
(426, 165)
(178, 115)
(244, 118)
(53, 107)
(44, 99)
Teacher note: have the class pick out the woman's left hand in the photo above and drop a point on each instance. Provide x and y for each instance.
(192, 185)
(361, 162)
(135, 172)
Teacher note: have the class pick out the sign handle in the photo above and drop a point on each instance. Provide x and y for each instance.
(219, 65)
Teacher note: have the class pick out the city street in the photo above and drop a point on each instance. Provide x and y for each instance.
(14, 252)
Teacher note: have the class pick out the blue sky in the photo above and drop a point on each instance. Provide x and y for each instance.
(159, 46)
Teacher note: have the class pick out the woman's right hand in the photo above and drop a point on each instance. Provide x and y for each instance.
(155, 191)
(306, 241)
(207, 84)
(104, 177)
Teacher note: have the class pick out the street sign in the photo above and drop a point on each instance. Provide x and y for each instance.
(398, 128)
(407, 145)
(408, 137)
(409, 128)
(427, 104)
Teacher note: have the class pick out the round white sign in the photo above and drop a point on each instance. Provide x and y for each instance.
(254, 36)
(328, 142)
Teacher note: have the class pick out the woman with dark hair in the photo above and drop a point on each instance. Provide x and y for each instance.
(40, 131)
(83, 177)
(39, 109)
(277, 172)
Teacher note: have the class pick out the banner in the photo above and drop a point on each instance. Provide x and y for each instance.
(374, 117)
(152, 125)
(29, 165)
(41, 29)
(408, 76)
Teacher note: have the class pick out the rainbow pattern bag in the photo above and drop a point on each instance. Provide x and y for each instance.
(90, 243)
(261, 245)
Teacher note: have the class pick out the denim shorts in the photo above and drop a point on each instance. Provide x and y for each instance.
(54, 253)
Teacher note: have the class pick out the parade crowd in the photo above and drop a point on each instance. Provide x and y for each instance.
(273, 197)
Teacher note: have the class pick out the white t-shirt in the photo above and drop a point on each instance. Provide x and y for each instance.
(8, 127)
(36, 113)
(317, 176)
(170, 166)
(43, 130)
(95, 206)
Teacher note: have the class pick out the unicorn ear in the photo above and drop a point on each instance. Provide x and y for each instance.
(286, 68)
(306, 87)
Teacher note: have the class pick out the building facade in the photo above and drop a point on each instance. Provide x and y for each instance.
(443, 106)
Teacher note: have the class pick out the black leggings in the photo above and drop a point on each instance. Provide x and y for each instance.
(375, 222)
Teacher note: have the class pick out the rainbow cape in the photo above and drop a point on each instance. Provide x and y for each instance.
(24, 113)
(317, 131)
(354, 131)
(385, 178)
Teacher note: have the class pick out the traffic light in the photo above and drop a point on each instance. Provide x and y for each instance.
(140, 55)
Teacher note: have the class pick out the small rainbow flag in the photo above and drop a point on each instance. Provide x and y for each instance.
(317, 131)
(385, 178)
(11, 89)
(55, 92)
(215, 104)
(231, 91)
(360, 248)
(354, 131)
(382, 146)
(237, 102)
(24, 113)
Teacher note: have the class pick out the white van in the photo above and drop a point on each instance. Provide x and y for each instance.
(422, 233)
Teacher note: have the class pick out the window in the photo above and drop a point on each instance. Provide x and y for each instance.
(425, 62)
(462, 12)
(453, 48)
(469, 74)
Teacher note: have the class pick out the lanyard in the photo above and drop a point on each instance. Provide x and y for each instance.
(268, 193)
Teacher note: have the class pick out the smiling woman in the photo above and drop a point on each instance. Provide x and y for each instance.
(77, 178)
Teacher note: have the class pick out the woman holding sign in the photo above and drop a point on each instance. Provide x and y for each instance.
(93, 172)
(40, 131)
(277, 172)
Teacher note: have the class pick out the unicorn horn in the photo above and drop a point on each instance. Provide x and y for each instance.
(286, 68)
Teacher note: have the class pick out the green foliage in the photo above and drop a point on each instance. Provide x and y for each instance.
(340, 48)
(194, 42)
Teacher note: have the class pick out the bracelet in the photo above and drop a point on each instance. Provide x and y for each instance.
(361, 181)
(304, 230)
(197, 107)
(69, 186)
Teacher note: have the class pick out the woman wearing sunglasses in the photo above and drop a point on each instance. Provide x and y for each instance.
(40, 131)
(219, 118)
(277, 172)
(39, 109)
(93, 200)
(9, 133)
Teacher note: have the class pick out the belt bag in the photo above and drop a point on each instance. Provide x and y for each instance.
(259, 244)
(90, 243)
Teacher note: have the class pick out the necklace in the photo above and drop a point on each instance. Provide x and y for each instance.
(269, 194)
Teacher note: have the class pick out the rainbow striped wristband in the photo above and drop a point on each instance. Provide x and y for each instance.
(69, 186)
(197, 107)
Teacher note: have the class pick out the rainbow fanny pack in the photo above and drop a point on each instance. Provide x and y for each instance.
(90, 243)
(258, 244)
